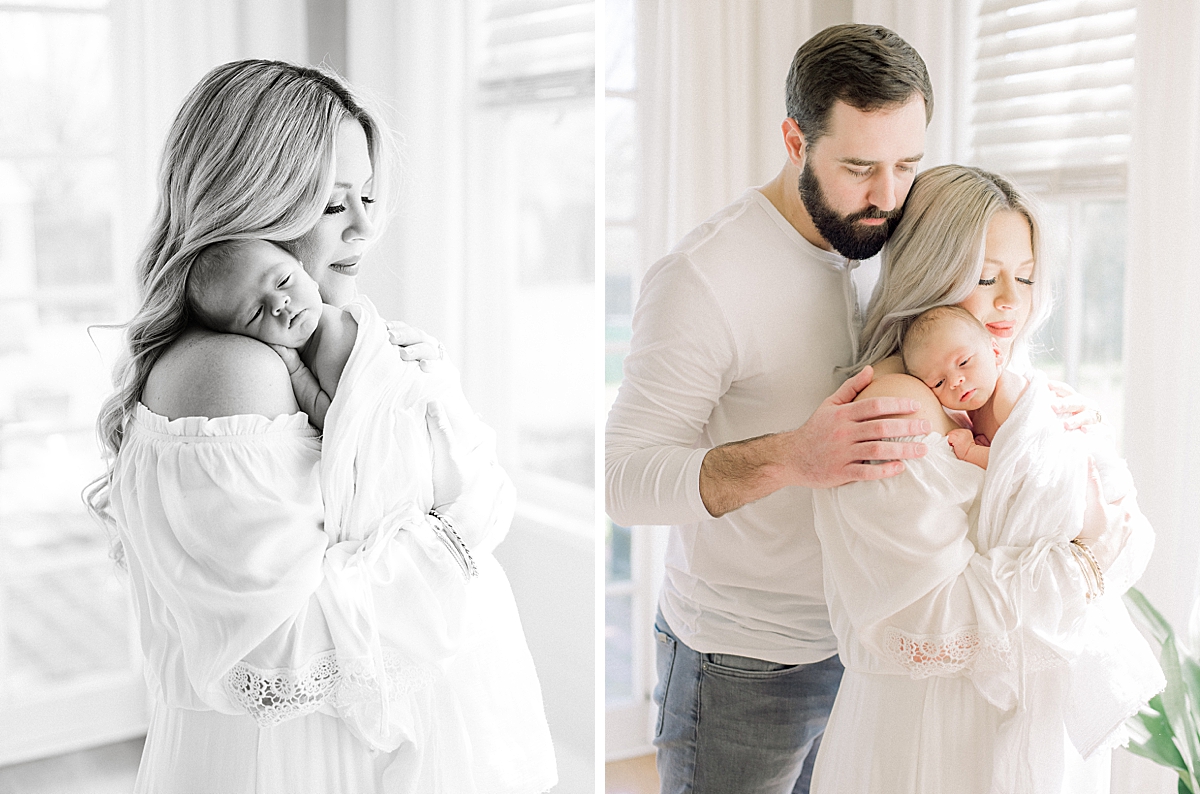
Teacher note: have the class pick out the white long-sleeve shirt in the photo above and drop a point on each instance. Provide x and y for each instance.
(736, 334)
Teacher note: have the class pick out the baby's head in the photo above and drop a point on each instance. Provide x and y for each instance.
(256, 289)
(954, 355)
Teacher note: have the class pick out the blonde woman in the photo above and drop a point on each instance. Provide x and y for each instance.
(977, 612)
(282, 655)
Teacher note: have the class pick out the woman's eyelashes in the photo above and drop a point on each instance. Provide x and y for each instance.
(334, 209)
(987, 282)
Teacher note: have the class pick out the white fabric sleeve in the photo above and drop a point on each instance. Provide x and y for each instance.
(226, 532)
(681, 361)
(897, 552)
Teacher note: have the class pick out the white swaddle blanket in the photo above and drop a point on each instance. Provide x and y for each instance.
(442, 668)
(1091, 678)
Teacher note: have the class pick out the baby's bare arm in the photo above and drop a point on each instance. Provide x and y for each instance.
(311, 398)
(964, 446)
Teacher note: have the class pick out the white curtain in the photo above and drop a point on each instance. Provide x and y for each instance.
(1162, 289)
(420, 82)
(937, 30)
(711, 81)
(163, 48)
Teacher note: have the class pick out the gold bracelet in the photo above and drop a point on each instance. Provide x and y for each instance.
(1097, 575)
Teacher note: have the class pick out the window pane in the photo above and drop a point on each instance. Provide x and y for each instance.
(618, 560)
(619, 74)
(618, 648)
(56, 80)
(620, 153)
(1048, 346)
(556, 289)
(64, 616)
(1102, 229)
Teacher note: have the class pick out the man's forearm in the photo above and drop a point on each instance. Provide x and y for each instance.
(741, 472)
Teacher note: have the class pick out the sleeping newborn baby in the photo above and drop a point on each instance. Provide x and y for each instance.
(951, 352)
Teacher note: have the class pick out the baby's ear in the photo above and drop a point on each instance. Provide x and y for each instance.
(999, 355)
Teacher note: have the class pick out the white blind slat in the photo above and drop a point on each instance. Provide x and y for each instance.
(537, 50)
(1052, 85)
(1105, 99)
(1054, 128)
(1003, 16)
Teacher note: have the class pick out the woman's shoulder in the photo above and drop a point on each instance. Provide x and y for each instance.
(899, 384)
(205, 373)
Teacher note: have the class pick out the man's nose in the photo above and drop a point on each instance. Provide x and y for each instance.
(882, 194)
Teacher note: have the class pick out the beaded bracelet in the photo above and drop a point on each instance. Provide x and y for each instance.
(1092, 571)
(455, 544)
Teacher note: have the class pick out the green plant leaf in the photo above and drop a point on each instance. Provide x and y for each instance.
(1183, 787)
(1151, 737)
(1175, 703)
(1148, 616)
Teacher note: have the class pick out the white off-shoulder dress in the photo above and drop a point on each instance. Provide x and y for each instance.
(974, 661)
(257, 677)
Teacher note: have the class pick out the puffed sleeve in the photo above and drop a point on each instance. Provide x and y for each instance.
(899, 555)
(243, 604)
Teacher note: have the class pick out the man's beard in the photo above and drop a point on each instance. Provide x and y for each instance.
(848, 237)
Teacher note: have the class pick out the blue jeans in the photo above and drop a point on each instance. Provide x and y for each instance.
(735, 724)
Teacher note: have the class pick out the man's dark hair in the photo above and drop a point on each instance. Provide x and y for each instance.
(866, 66)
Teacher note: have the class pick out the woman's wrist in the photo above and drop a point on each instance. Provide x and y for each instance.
(1093, 574)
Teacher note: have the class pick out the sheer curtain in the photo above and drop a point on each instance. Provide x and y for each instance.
(1162, 288)
(163, 49)
(712, 76)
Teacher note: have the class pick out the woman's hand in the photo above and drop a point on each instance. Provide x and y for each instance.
(462, 491)
(1105, 529)
(1077, 412)
(414, 344)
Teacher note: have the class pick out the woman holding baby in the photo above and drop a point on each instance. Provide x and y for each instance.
(365, 644)
(976, 596)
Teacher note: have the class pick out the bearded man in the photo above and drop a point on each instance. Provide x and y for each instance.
(723, 423)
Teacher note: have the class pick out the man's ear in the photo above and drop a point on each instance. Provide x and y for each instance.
(793, 140)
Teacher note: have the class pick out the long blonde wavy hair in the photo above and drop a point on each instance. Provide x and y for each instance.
(935, 256)
(249, 156)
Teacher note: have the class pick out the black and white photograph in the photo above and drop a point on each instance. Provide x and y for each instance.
(297, 417)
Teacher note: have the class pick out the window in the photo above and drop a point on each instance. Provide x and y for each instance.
(69, 669)
(1052, 107)
(535, 97)
(633, 564)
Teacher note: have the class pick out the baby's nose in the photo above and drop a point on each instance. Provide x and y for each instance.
(281, 304)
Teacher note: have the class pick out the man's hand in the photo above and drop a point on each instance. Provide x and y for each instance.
(830, 449)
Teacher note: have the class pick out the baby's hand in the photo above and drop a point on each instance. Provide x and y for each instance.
(961, 441)
(291, 358)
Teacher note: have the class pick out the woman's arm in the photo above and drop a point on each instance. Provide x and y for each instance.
(901, 562)
(204, 373)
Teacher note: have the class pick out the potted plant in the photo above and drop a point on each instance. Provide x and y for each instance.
(1167, 729)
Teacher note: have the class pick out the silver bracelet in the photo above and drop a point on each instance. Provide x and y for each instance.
(451, 540)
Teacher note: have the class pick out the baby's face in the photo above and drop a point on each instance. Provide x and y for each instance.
(266, 296)
(961, 367)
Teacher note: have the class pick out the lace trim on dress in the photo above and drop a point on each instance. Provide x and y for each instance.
(931, 654)
(273, 696)
(943, 654)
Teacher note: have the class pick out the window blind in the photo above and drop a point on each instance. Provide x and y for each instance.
(1053, 91)
(537, 50)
